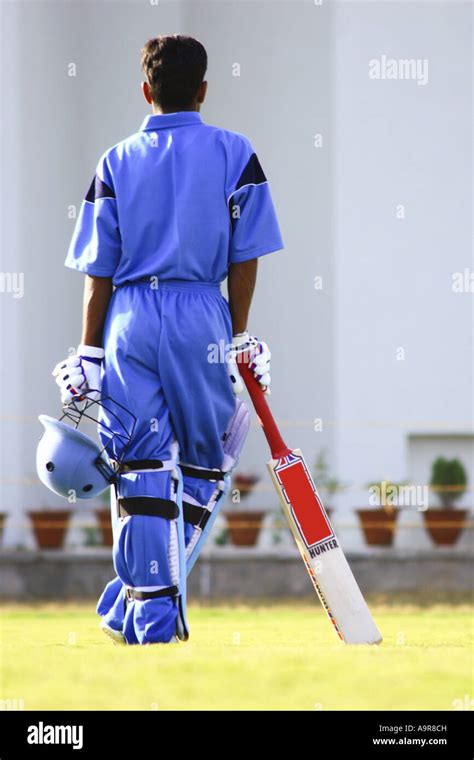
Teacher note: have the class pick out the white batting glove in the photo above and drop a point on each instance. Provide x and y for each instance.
(80, 372)
(247, 347)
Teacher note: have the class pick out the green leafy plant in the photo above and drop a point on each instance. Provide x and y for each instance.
(222, 538)
(325, 483)
(448, 480)
(92, 536)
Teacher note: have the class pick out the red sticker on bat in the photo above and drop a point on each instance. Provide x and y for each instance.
(299, 492)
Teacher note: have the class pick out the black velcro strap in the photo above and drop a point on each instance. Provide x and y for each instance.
(133, 593)
(138, 464)
(141, 505)
(195, 515)
(195, 472)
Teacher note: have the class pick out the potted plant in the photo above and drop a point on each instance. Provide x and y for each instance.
(379, 523)
(449, 481)
(244, 525)
(50, 526)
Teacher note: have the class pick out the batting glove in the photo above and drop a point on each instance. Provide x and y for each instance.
(247, 348)
(80, 374)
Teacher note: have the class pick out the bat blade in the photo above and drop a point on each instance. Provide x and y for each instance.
(312, 530)
(319, 546)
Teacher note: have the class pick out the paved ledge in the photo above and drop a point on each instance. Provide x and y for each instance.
(230, 573)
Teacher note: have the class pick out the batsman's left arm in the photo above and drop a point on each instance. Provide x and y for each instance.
(95, 250)
(81, 372)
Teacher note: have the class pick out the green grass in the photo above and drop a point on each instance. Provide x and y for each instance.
(255, 657)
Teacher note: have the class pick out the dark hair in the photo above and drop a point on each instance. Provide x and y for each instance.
(174, 66)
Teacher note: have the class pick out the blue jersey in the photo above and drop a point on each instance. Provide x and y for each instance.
(179, 199)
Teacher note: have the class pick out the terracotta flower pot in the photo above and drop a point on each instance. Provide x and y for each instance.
(378, 525)
(244, 526)
(50, 527)
(445, 525)
(105, 524)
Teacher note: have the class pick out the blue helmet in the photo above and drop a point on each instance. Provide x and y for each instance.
(69, 462)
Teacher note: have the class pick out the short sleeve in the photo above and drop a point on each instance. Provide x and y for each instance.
(95, 247)
(255, 229)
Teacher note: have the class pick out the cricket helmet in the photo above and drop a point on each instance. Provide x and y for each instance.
(70, 462)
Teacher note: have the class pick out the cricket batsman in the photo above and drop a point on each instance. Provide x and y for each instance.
(172, 211)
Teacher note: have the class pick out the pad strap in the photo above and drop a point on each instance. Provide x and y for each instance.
(152, 507)
(200, 472)
(195, 515)
(138, 464)
(141, 596)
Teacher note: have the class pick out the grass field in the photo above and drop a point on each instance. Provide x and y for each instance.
(258, 657)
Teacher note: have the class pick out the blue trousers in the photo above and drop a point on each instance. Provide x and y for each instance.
(161, 345)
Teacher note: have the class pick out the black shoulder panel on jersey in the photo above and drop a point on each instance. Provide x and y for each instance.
(252, 174)
(99, 189)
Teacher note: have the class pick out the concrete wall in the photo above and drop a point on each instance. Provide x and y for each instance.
(239, 574)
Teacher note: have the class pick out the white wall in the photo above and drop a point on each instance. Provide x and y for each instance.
(386, 282)
(55, 129)
(281, 99)
(397, 142)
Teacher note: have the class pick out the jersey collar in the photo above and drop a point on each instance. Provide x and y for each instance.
(165, 120)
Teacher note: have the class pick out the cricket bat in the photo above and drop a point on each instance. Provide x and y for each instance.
(319, 546)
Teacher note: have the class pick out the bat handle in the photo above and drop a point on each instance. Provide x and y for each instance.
(277, 445)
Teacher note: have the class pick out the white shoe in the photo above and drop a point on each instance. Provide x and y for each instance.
(116, 636)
